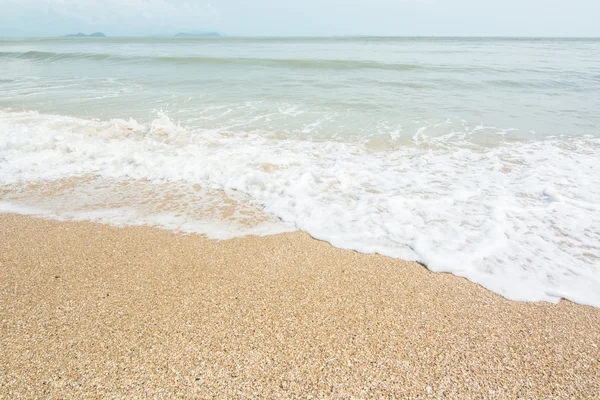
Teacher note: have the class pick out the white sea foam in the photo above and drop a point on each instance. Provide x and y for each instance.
(520, 218)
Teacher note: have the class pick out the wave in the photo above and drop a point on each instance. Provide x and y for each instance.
(55, 56)
(525, 81)
(242, 61)
(297, 63)
(520, 218)
(291, 63)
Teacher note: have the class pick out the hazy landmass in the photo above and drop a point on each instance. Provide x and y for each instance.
(207, 34)
(96, 34)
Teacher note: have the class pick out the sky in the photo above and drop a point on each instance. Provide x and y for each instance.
(37, 18)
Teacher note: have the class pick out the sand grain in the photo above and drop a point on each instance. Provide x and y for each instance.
(93, 311)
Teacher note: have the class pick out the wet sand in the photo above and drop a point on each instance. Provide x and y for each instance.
(93, 311)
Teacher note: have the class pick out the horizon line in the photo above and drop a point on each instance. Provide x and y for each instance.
(307, 36)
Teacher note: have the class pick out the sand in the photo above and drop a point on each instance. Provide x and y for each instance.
(93, 311)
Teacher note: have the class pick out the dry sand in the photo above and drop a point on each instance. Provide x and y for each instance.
(89, 311)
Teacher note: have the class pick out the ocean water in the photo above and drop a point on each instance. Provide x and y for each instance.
(479, 156)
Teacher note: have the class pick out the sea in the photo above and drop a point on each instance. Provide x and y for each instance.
(478, 157)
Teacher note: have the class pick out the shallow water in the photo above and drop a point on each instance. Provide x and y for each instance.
(475, 156)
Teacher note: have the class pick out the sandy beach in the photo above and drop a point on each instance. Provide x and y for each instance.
(93, 311)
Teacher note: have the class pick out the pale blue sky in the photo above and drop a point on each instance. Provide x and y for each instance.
(303, 17)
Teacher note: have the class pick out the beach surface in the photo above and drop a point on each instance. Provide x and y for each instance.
(94, 311)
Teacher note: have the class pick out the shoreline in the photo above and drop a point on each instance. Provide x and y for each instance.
(90, 310)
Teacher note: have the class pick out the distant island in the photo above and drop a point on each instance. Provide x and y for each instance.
(207, 34)
(96, 34)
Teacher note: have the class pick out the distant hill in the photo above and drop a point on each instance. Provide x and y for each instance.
(97, 34)
(207, 34)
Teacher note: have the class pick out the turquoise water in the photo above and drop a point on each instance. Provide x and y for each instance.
(349, 87)
(475, 156)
